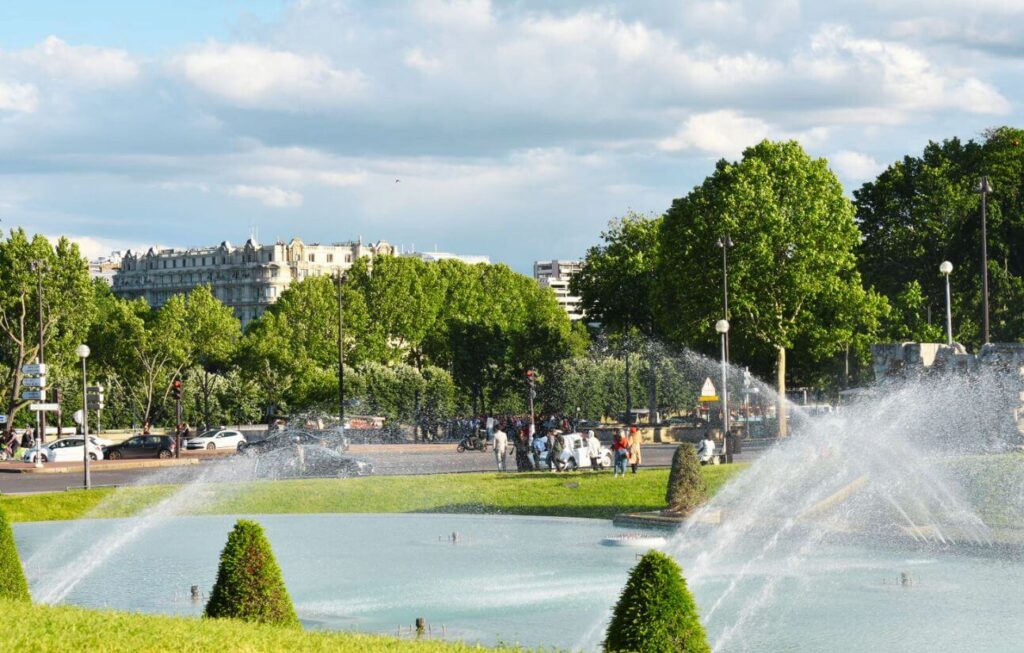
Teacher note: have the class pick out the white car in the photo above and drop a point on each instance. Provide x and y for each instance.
(65, 450)
(577, 455)
(217, 439)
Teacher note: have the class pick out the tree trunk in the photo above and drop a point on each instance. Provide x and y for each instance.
(781, 400)
(629, 394)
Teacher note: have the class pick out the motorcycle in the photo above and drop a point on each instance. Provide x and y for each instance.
(474, 443)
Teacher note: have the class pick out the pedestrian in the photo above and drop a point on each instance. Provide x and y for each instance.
(26, 439)
(706, 450)
(593, 450)
(634, 448)
(620, 450)
(539, 447)
(500, 447)
(732, 444)
(557, 449)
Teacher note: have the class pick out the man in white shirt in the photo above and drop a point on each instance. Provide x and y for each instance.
(706, 450)
(593, 449)
(500, 447)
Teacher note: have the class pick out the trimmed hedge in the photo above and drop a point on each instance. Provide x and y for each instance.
(656, 612)
(686, 486)
(249, 584)
(12, 576)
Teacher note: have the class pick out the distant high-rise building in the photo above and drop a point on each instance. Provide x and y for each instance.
(433, 257)
(247, 278)
(556, 275)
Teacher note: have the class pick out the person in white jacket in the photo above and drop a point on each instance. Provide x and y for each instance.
(593, 449)
(706, 450)
(500, 447)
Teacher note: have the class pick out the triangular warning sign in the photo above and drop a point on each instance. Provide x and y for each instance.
(708, 389)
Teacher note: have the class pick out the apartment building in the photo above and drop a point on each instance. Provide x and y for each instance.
(556, 275)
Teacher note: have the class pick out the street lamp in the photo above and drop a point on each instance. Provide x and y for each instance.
(984, 187)
(725, 243)
(83, 352)
(945, 268)
(722, 327)
(341, 353)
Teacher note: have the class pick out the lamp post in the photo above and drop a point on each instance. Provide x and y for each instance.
(722, 327)
(984, 187)
(945, 268)
(725, 243)
(341, 354)
(83, 353)
(39, 266)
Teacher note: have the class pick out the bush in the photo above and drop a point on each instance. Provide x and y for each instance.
(686, 487)
(249, 584)
(12, 577)
(656, 612)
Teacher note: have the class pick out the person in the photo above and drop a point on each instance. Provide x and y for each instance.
(523, 462)
(732, 443)
(539, 447)
(500, 447)
(706, 450)
(26, 439)
(146, 428)
(593, 449)
(620, 449)
(555, 460)
(634, 448)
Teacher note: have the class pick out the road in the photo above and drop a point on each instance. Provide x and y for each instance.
(389, 460)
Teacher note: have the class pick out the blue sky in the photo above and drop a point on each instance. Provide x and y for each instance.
(518, 129)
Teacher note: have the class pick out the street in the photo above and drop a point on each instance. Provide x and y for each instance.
(387, 460)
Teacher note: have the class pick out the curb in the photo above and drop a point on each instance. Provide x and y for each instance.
(98, 466)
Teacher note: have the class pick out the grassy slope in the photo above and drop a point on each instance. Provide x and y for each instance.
(66, 628)
(566, 495)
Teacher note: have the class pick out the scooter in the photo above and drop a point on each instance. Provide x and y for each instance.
(474, 443)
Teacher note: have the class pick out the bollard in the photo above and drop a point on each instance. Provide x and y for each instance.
(421, 626)
(195, 593)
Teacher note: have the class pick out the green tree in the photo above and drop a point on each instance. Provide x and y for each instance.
(656, 612)
(795, 237)
(213, 334)
(925, 209)
(67, 311)
(686, 487)
(617, 287)
(12, 578)
(249, 585)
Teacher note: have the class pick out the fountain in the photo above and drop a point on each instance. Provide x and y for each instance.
(894, 524)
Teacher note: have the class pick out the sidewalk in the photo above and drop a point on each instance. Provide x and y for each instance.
(96, 465)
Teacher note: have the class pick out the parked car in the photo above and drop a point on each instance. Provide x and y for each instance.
(216, 439)
(64, 450)
(321, 455)
(143, 446)
(281, 439)
(579, 456)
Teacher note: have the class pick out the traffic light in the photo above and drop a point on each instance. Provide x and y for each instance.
(176, 390)
(531, 381)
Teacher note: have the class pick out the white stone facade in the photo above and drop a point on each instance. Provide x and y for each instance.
(247, 278)
(556, 276)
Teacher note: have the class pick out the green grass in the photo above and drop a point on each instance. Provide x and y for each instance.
(580, 494)
(66, 628)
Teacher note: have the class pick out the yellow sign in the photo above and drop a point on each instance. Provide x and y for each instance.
(708, 392)
(709, 398)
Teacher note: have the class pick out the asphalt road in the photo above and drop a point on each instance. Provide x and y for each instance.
(387, 460)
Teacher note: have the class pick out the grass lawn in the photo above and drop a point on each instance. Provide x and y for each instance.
(581, 494)
(66, 628)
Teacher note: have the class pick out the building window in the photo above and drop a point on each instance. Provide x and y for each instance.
(312, 258)
(348, 258)
(330, 258)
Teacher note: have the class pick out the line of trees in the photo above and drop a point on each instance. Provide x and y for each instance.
(815, 278)
(422, 342)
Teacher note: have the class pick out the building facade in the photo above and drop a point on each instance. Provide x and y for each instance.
(247, 278)
(434, 257)
(556, 276)
(105, 267)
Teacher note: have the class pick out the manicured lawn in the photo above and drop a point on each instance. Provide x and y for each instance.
(581, 494)
(65, 628)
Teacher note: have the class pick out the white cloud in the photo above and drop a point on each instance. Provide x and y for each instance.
(727, 133)
(855, 166)
(255, 76)
(85, 65)
(463, 15)
(20, 98)
(271, 196)
(92, 247)
(416, 59)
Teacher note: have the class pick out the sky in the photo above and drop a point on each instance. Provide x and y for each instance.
(514, 130)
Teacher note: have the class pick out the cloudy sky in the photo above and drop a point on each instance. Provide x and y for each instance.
(516, 129)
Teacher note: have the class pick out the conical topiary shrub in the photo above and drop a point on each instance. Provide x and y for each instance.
(656, 612)
(686, 487)
(12, 577)
(249, 584)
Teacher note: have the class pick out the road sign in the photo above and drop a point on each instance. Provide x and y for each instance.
(34, 368)
(96, 406)
(3, 419)
(94, 396)
(707, 391)
(34, 382)
(34, 395)
(94, 388)
(40, 407)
